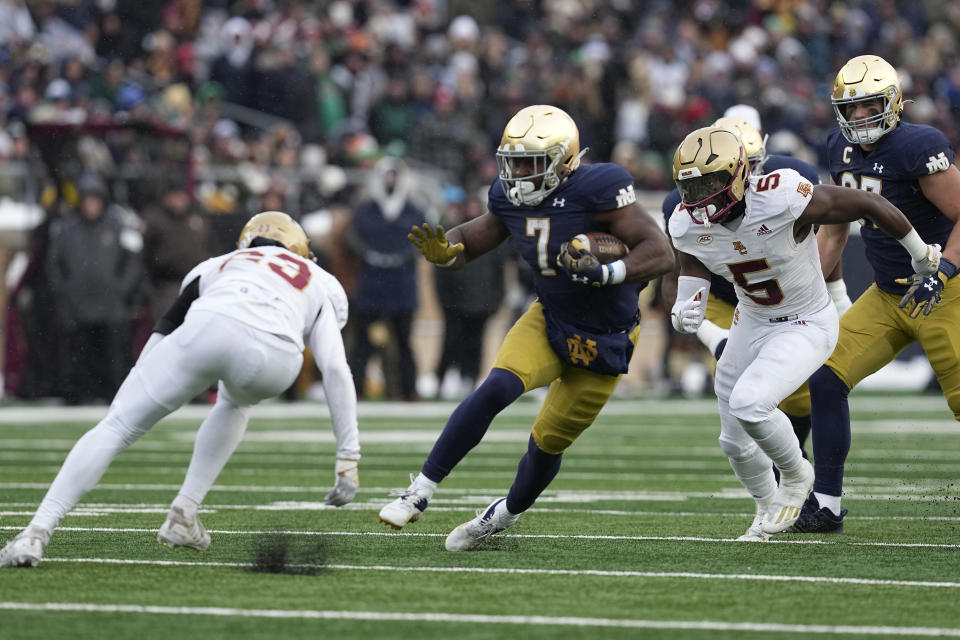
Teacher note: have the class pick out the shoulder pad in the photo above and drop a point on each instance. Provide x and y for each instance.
(679, 223)
(774, 193)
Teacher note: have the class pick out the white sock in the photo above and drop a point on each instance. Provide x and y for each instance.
(711, 335)
(503, 514)
(750, 464)
(81, 471)
(424, 484)
(186, 503)
(830, 502)
(755, 473)
(776, 437)
(217, 439)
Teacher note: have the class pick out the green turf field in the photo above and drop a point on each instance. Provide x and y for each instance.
(633, 539)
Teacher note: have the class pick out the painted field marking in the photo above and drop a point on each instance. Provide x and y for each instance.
(546, 621)
(934, 494)
(538, 536)
(545, 572)
(467, 503)
(859, 402)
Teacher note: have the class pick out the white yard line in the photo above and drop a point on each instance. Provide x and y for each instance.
(872, 404)
(92, 510)
(544, 621)
(545, 572)
(538, 536)
(924, 493)
(467, 504)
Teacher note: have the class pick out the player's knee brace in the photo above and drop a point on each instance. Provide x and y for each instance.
(747, 407)
(737, 449)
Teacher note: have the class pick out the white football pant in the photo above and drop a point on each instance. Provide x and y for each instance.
(250, 365)
(762, 364)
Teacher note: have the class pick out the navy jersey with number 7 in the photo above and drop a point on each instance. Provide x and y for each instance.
(537, 232)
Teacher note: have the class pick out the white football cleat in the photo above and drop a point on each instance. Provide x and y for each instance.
(489, 521)
(181, 529)
(755, 533)
(409, 505)
(26, 549)
(788, 500)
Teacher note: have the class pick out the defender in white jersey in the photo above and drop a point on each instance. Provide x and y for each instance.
(241, 320)
(757, 232)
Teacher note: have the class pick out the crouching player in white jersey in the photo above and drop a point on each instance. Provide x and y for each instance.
(757, 232)
(242, 320)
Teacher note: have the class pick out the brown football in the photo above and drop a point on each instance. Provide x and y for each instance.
(605, 246)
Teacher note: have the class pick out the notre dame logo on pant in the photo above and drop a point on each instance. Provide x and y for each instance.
(582, 352)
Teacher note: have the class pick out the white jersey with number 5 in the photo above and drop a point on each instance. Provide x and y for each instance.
(268, 288)
(774, 276)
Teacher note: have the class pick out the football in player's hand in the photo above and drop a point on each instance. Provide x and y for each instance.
(606, 247)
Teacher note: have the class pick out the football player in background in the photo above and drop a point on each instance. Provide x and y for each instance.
(757, 232)
(723, 299)
(242, 319)
(911, 166)
(578, 336)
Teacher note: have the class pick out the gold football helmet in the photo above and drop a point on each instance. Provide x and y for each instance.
(754, 143)
(867, 78)
(710, 169)
(540, 147)
(278, 226)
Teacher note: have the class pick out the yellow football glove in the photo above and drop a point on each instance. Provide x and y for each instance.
(434, 246)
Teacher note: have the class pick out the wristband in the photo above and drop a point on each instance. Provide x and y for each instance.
(616, 272)
(914, 245)
(837, 289)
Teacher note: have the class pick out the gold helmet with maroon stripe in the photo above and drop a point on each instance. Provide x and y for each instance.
(276, 226)
(710, 170)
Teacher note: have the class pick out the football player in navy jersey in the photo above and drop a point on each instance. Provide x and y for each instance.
(911, 166)
(722, 299)
(577, 336)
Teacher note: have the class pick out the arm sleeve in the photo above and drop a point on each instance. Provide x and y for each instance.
(326, 344)
(174, 316)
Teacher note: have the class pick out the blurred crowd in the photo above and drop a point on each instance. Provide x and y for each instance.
(182, 118)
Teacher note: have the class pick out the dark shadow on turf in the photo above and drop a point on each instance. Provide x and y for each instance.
(292, 555)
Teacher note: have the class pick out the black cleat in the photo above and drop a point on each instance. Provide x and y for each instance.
(814, 519)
